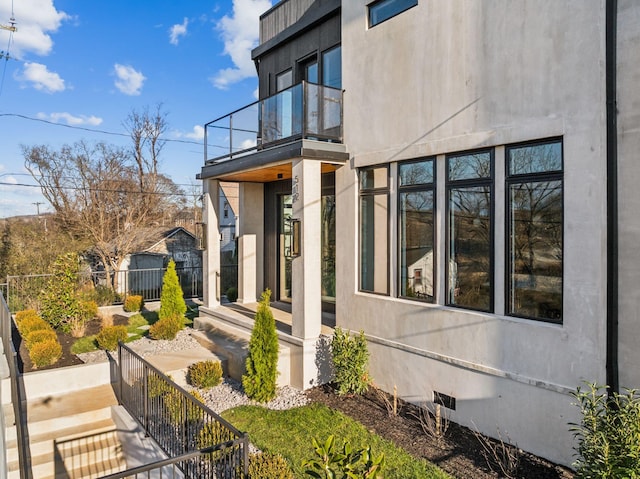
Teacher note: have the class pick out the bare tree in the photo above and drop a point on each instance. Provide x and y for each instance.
(104, 193)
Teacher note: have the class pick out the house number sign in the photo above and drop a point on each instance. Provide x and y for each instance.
(294, 190)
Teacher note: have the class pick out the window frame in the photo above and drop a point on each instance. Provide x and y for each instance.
(420, 187)
(401, 9)
(521, 178)
(364, 192)
(462, 183)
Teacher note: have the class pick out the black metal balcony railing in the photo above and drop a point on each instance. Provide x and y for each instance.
(303, 111)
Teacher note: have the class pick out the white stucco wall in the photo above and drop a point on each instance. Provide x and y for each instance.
(453, 75)
(628, 197)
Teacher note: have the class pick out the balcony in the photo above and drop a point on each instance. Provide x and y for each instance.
(305, 111)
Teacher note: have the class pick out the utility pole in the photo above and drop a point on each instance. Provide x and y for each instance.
(38, 203)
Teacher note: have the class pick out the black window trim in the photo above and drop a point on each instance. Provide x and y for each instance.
(372, 192)
(511, 179)
(418, 187)
(490, 181)
(376, 2)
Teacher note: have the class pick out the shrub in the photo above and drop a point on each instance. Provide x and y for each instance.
(232, 294)
(166, 328)
(264, 465)
(60, 303)
(608, 437)
(262, 362)
(86, 310)
(27, 313)
(39, 336)
(205, 374)
(32, 323)
(172, 298)
(350, 358)
(180, 408)
(157, 386)
(45, 353)
(133, 303)
(104, 295)
(109, 336)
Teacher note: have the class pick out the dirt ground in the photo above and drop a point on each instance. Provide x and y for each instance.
(460, 452)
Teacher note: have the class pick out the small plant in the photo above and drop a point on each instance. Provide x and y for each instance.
(157, 386)
(264, 465)
(608, 437)
(109, 337)
(27, 313)
(232, 294)
(39, 336)
(45, 353)
(343, 463)
(104, 295)
(350, 359)
(172, 298)
(106, 319)
(86, 310)
(501, 456)
(133, 303)
(212, 434)
(180, 408)
(262, 361)
(30, 324)
(433, 421)
(205, 374)
(166, 328)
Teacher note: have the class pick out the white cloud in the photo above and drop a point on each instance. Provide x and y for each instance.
(129, 80)
(69, 119)
(177, 31)
(41, 78)
(196, 134)
(240, 34)
(37, 20)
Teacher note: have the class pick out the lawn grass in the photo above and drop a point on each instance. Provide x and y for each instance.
(289, 433)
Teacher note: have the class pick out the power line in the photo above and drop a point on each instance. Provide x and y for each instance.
(102, 190)
(104, 132)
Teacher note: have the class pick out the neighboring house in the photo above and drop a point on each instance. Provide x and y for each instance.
(500, 138)
(153, 248)
(228, 216)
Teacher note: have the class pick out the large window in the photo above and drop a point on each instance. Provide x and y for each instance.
(332, 67)
(374, 247)
(469, 269)
(416, 229)
(382, 10)
(535, 216)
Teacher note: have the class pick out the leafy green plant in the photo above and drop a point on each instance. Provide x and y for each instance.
(350, 357)
(166, 328)
(259, 382)
(133, 303)
(205, 374)
(109, 336)
(232, 294)
(38, 336)
(264, 465)
(608, 437)
(60, 302)
(45, 353)
(172, 298)
(333, 463)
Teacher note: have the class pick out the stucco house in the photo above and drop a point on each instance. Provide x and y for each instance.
(492, 143)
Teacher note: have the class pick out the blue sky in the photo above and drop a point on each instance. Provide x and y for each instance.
(85, 64)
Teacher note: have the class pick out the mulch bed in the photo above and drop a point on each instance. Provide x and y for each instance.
(66, 341)
(459, 453)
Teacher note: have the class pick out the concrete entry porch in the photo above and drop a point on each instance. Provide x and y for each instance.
(226, 330)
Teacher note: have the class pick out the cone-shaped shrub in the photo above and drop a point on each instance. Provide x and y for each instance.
(262, 362)
(172, 298)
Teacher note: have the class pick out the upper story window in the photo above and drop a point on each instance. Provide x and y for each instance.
(382, 10)
(332, 67)
(470, 230)
(535, 236)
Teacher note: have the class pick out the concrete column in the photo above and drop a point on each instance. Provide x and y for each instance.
(247, 269)
(251, 222)
(306, 307)
(211, 254)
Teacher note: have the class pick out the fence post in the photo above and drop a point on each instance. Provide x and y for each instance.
(145, 401)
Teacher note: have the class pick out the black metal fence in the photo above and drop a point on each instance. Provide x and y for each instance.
(17, 393)
(106, 288)
(179, 423)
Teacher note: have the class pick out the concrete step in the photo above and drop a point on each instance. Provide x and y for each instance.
(232, 341)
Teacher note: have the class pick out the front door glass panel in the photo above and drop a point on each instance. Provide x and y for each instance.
(284, 246)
